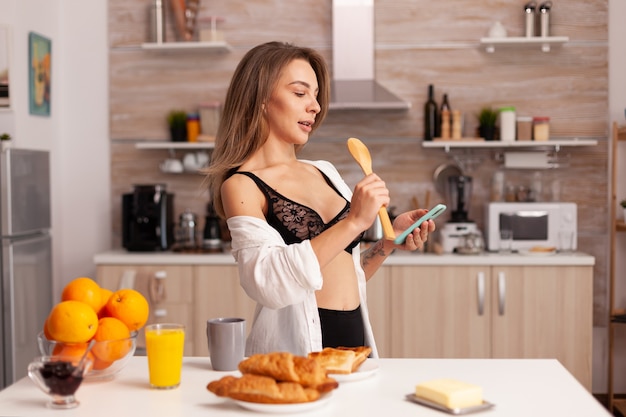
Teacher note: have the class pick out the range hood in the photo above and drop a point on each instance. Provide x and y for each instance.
(353, 86)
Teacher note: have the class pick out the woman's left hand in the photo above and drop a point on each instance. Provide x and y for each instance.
(416, 239)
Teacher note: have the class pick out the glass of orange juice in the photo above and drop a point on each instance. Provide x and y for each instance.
(164, 346)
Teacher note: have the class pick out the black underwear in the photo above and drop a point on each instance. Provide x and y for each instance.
(342, 328)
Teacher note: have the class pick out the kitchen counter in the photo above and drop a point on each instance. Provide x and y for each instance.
(123, 257)
(524, 387)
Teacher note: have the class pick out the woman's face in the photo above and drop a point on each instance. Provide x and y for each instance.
(293, 105)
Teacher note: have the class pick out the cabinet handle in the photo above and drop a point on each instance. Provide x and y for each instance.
(501, 292)
(480, 287)
(157, 287)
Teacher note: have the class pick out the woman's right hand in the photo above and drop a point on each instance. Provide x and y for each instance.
(370, 194)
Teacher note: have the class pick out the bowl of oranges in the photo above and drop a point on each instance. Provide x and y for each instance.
(98, 322)
(108, 356)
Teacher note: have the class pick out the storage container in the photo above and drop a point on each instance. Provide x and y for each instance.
(507, 124)
(524, 128)
(529, 13)
(541, 128)
(209, 120)
(544, 18)
(193, 127)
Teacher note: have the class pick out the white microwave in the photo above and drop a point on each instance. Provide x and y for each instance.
(533, 224)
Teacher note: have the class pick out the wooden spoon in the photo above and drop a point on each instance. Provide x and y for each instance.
(361, 154)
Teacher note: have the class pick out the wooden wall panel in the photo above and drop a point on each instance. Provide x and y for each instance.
(418, 42)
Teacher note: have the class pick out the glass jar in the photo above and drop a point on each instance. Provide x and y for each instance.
(193, 127)
(209, 119)
(524, 128)
(541, 128)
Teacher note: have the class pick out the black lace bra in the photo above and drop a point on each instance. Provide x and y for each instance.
(296, 222)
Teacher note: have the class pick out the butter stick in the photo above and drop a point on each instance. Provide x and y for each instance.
(450, 393)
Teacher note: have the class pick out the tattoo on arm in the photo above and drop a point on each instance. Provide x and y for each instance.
(376, 250)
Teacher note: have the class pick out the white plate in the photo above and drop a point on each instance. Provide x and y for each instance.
(367, 369)
(467, 410)
(284, 408)
(537, 253)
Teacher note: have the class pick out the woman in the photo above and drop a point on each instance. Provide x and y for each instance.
(295, 225)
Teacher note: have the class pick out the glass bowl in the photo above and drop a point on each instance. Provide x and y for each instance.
(109, 357)
(59, 378)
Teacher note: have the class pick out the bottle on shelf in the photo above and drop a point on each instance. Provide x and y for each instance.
(529, 12)
(445, 121)
(157, 19)
(193, 127)
(445, 104)
(445, 124)
(507, 124)
(544, 18)
(456, 125)
(430, 115)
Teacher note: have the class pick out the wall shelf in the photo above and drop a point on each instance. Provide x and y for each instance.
(553, 143)
(545, 43)
(174, 145)
(217, 46)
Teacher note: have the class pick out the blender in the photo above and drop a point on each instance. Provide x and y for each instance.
(459, 192)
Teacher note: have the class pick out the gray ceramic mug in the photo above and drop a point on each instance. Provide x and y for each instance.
(227, 341)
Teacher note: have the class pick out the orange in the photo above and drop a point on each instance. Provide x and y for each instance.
(75, 351)
(45, 330)
(72, 322)
(83, 289)
(99, 365)
(111, 338)
(105, 294)
(130, 306)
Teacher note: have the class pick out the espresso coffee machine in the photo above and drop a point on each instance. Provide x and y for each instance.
(147, 221)
(459, 193)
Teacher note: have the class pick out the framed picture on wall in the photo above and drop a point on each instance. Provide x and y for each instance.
(4, 67)
(39, 65)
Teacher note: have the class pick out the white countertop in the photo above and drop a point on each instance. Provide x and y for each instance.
(123, 257)
(517, 387)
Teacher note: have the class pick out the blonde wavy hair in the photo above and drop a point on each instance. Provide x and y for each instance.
(243, 128)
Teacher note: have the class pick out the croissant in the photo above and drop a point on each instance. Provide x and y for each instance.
(275, 378)
(286, 367)
(262, 389)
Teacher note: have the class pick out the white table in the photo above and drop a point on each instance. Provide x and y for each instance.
(524, 387)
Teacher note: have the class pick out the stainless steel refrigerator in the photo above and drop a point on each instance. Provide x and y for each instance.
(26, 257)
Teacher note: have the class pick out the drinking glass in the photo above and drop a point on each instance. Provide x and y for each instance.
(165, 343)
(506, 241)
(566, 241)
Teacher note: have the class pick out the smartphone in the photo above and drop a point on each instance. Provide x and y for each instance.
(432, 213)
